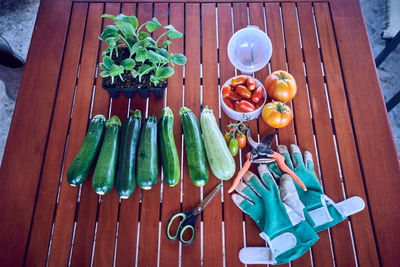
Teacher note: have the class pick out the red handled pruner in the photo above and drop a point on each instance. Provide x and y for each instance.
(262, 153)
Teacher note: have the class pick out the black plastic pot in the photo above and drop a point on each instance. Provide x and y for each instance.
(130, 92)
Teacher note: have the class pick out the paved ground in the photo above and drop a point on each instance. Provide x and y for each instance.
(17, 19)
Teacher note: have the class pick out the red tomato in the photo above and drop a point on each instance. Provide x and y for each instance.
(246, 106)
(276, 114)
(238, 80)
(237, 106)
(259, 104)
(228, 103)
(226, 90)
(251, 84)
(242, 141)
(257, 94)
(234, 96)
(243, 91)
(280, 85)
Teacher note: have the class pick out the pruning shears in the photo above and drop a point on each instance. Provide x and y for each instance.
(262, 153)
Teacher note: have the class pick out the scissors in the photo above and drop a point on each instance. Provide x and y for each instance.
(189, 218)
(262, 153)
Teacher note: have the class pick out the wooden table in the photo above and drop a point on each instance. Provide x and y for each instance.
(339, 116)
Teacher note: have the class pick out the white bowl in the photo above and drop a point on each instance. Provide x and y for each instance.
(233, 114)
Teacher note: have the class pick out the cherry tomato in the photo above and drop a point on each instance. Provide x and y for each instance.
(234, 96)
(251, 84)
(259, 104)
(227, 137)
(243, 91)
(226, 90)
(246, 106)
(276, 114)
(228, 103)
(237, 106)
(280, 85)
(233, 146)
(238, 80)
(257, 94)
(241, 141)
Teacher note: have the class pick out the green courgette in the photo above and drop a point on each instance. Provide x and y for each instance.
(220, 159)
(125, 178)
(196, 156)
(104, 173)
(169, 155)
(84, 160)
(146, 165)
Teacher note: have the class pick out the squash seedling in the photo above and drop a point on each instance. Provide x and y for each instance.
(133, 54)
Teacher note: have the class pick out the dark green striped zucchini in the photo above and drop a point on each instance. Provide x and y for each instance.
(104, 173)
(146, 166)
(84, 160)
(169, 155)
(125, 179)
(194, 146)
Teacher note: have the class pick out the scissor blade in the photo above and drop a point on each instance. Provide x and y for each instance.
(207, 199)
(250, 140)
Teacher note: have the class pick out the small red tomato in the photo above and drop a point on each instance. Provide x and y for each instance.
(257, 94)
(246, 106)
(226, 90)
(238, 80)
(242, 141)
(259, 104)
(237, 106)
(251, 84)
(234, 96)
(243, 91)
(228, 103)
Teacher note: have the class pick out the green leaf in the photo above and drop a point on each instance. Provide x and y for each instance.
(109, 31)
(152, 25)
(134, 73)
(141, 55)
(172, 32)
(144, 69)
(151, 41)
(154, 80)
(108, 62)
(128, 63)
(178, 59)
(126, 28)
(129, 19)
(143, 35)
(108, 16)
(163, 52)
(165, 44)
(111, 41)
(116, 70)
(104, 74)
(164, 73)
(107, 51)
(157, 58)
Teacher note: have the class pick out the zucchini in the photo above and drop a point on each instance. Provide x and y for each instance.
(196, 156)
(125, 179)
(104, 173)
(146, 166)
(84, 160)
(220, 159)
(169, 155)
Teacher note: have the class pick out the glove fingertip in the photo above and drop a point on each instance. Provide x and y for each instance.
(282, 149)
(308, 160)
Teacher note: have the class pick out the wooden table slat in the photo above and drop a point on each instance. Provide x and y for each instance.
(233, 217)
(66, 208)
(47, 196)
(191, 255)
(169, 251)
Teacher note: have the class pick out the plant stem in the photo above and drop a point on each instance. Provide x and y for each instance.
(137, 32)
(158, 39)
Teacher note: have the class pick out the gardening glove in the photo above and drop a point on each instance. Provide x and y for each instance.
(320, 211)
(287, 234)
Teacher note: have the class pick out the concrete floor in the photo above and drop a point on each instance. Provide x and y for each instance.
(17, 19)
